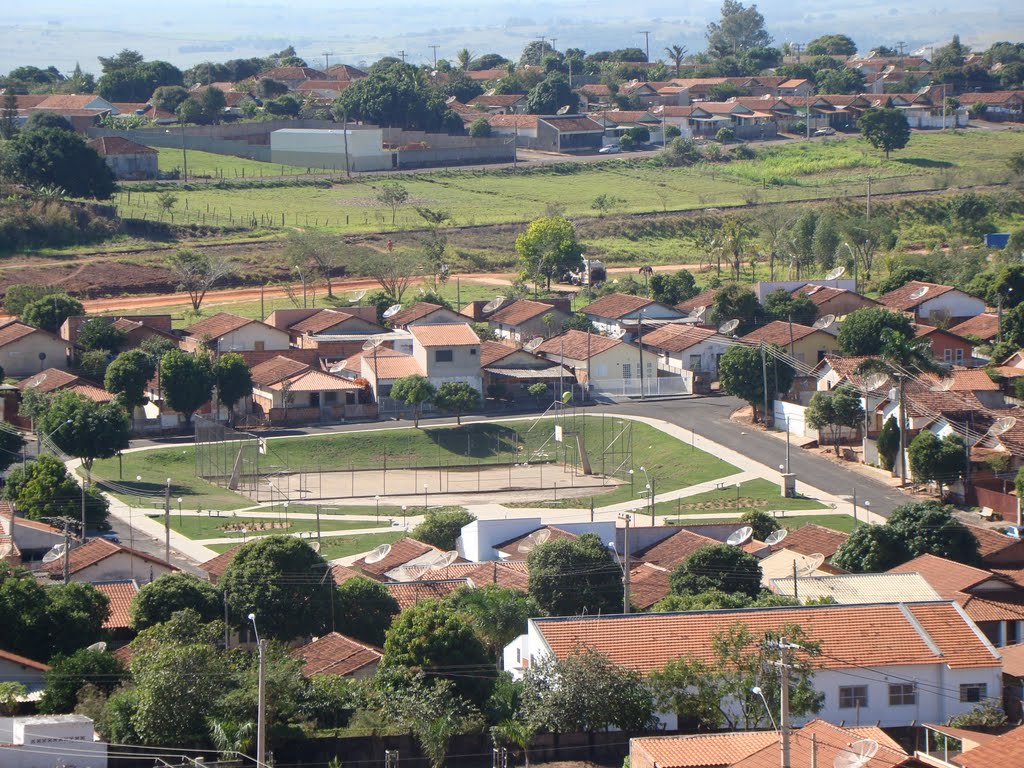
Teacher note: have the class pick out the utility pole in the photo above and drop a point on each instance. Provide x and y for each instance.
(797, 48)
(167, 521)
(784, 727)
(652, 502)
(261, 718)
(647, 43)
(553, 41)
(868, 212)
(402, 54)
(640, 348)
(434, 49)
(764, 377)
(327, 59)
(625, 564)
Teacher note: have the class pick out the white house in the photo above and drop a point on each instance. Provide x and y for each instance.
(891, 664)
(225, 332)
(932, 303)
(683, 348)
(101, 560)
(45, 741)
(28, 672)
(621, 313)
(447, 352)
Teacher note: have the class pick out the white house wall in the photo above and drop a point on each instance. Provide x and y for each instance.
(952, 304)
(246, 337)
(120, 567)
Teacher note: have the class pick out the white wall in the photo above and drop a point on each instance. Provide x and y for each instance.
(481, 536)
(245, 338)
(708, 351)
(40, 740)
(361, 143)
(951, 304)
(119, 567)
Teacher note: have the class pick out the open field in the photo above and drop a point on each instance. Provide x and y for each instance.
(752, 494)
(216, 166)
(790, 172)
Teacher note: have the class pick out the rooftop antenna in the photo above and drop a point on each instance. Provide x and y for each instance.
(920, 292)
(493, 305)
(99, 647)
(728, 327)
(413, 572)
(836, 273)
(391, 311)
(806, 566)
(564, 110)
(533, 343)
(776, 537)
(372, 343)
(618, 333)
(534, 540)
(742, 536)
(357, 297)
(875, 381)
(697, 312)
(823, 323)
(944, 385)
(855, 755)
(56, 552)
(315, 546)
(378, 554)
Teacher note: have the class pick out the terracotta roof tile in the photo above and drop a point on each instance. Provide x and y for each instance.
(983, 326)
(572, 124)
(821, 294)
(417, 311)
(956, 581)
(354, 362)
(316, 381)
(92, 392)
(676, 337)
(616, 305)
(445, 335)
(647, 585)
(342, 573)
(520, 311)
(828, 742)
(811, 539)
(526, 122)
(705, 750)
(497, 100)
(394, 366)
(900, 298)
(408, 593)
(120, 594)
(335, 654)
(321, 321)
(115, 145)
(670, 552)
(492, 351)
(778, 332)
(512, 575)
(883, 635)
(215, 567)
(23, 660)
(94, 551)
(50, 380)
(15, 330)
(702, 299)
(575, 345)
(68, 101)
(293, 73)
(276, 369)
(402, 551)
(217, 325)
(996, 547)
(1013, 659)
(1003, 751)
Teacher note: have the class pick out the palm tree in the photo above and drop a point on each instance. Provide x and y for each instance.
(519, 733)
(735, 233)
(898, 357)
(676, 53)
(464, 58)
(231, 739)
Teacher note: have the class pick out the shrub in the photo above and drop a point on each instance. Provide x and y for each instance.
(725, 135)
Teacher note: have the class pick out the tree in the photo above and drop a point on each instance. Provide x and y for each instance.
(835, 410)
(569, 577)
(11, 695)
(931, 528)
(871, 549)
(861, 331)
(11, 445)
(25, 629)
(549, 249)
(100, 334)
(831, 45)
(393, 195)
(780, 304)
(279, 579)
(845, 80)
(717, 566)
(39, 120)
(585, 692)
(934, 460)
(743, 374)
(432, 638)
(888, 443)
(197, 272)
(674, 288)
(76, 613)
(677, 55)
(865, 237)
(497, 614)
(413, 391)
(190, 111)
(457, 397)
(44, 489)
(233, 379)
(20, 295)
(550, 95)
(213, 101)
(86, 429)
(68, 674)
(169, 97)
(9, 117)
(49, 313)
(442, 527)
(187, 381)
(886, 129)
(268, 88)
(364, 609)
(736, 302)
(93, 364)
(897, 355)
(739, 29)
(763, 523)
(480, 128)
(58, 158)
(720, 692)
(128, 375)
(159, 600)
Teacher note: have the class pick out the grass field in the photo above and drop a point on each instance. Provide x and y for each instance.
(207, 164)
(843, 523)
(752, 494)
(791, 171)
(340, 546)
(215, 527)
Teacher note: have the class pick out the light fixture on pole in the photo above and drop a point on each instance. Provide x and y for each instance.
(756, 690)
(261, 717)
(167, 521)
(179, 511)
(376, 501)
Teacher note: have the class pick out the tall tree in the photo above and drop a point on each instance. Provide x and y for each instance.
(735, 302)
(497, 614)
(364, 609)
(871, 549)
(58, 158)
(99, 333)
(886, 129)
(197, 272)
(673, 288)
(835, 410)
(68, 674)
(780, 304)
(717, 566)
(739, 30)
(86, 429)
(128, 375)
(861, 331)
(159, 600)
(317, 250)
(934, 460)
(50, 312)
(744, 375)
(569, 577)
(677, 55)
(548, 249)
(441, 528)
(187, 381)
(394, 196)
(233, 380)
(550, 95)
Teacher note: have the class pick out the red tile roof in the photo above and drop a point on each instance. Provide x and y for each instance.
(1003, 751)
(395, 366)
(115, 145)
(342, 573)
(983, 326)
(670, 552)
(95, 551)
(956, 581)
(120, 594)
(812, 539)
(215, 567)
(293, 73)
(704, 750)
(335, 654)
(50, 380)
(577, 345)
(616, 305)
(702, 299)
(822, 294)
(408, 593)
(828, 742)
(492, 351)
(675, 337)
(417, 311)
(276, 369)
(876, 635)
(497, 100)
(1013, 659)
(445, 335)
(778, 332)
(402, 551)
(15, 330)
(316, 381)
(215, 326)
(23, 661)
(900, 298)
(520, 311)
(998, 548)
(647, 585)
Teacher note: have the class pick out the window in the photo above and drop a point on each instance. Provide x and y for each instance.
(972, 693)
(330, 397)
(443, 356)
(947, 355)
(851, 696)
(259, 346)
(902, 694)
(694, 362)
(627, 371)
(959, 355)
(1012, 633)
(314, 399)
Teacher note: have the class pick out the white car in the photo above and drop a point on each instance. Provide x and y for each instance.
(611, 149)
(825, 132)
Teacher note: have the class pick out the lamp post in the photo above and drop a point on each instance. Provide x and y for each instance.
(376, 502)
(405, 524)
(167, 521)
(867, 512)
(179, 511)
(261, 717)
(424, 498)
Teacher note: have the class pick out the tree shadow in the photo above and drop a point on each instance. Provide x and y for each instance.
(923, 162)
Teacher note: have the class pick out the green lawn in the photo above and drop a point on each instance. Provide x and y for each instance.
(216, 527)
(791, 171)
(752, 494)
(208, 164)
(341, 546)
(842, 523)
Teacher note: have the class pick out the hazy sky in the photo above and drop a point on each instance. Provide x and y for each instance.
(186, 32)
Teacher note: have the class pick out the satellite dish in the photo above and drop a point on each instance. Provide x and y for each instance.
(875, 381)
(775, 537)
(357, 297)
(742, 536)
(808, 565)
(533, 343)
(378, 554)
(391, 311)
(315, 546)
(99, 647)
(493, 305)
(534, 540)
(728, 327)
(566, 397)
(449, 557)
(919, 292)
(856, 754)
(836, 273)
(56, 552)
(1002, 425)
(618, 333)
(824, 322)
(696, 312)
(372, 343)
(413, 572)
(944, 385)
(564, 110)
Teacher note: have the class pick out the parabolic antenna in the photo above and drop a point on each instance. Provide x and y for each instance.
(533, 343)
(742, 536)
(920, 292)
(944, 385)
(373, 341)
(728, 327)
(356, 298)
(413, 572)
(836, 273)
(696, 312)
(618, 333)
(824, 322)
(493, 305)
(56, 552)
(775, 537)
(99, 647)
(391, 311)
(806, 566)
(378, 554)
(856, 754)
(534, 540)
(1002, 425)
(564, 110)
(875, 381)
(315, 546)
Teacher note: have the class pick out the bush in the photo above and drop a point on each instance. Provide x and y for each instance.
(680, 152)
(480, 128)
(725, 135)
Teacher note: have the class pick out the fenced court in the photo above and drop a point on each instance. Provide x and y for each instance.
(567, 453)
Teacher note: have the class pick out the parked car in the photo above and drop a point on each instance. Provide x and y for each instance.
(825, 132)
(611, 149)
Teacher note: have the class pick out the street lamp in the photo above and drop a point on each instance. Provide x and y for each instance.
(376, 501)
(424, 498)
(261, 727)
(405, 525)
(867, 513)
(179, 511)
(60, 426)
